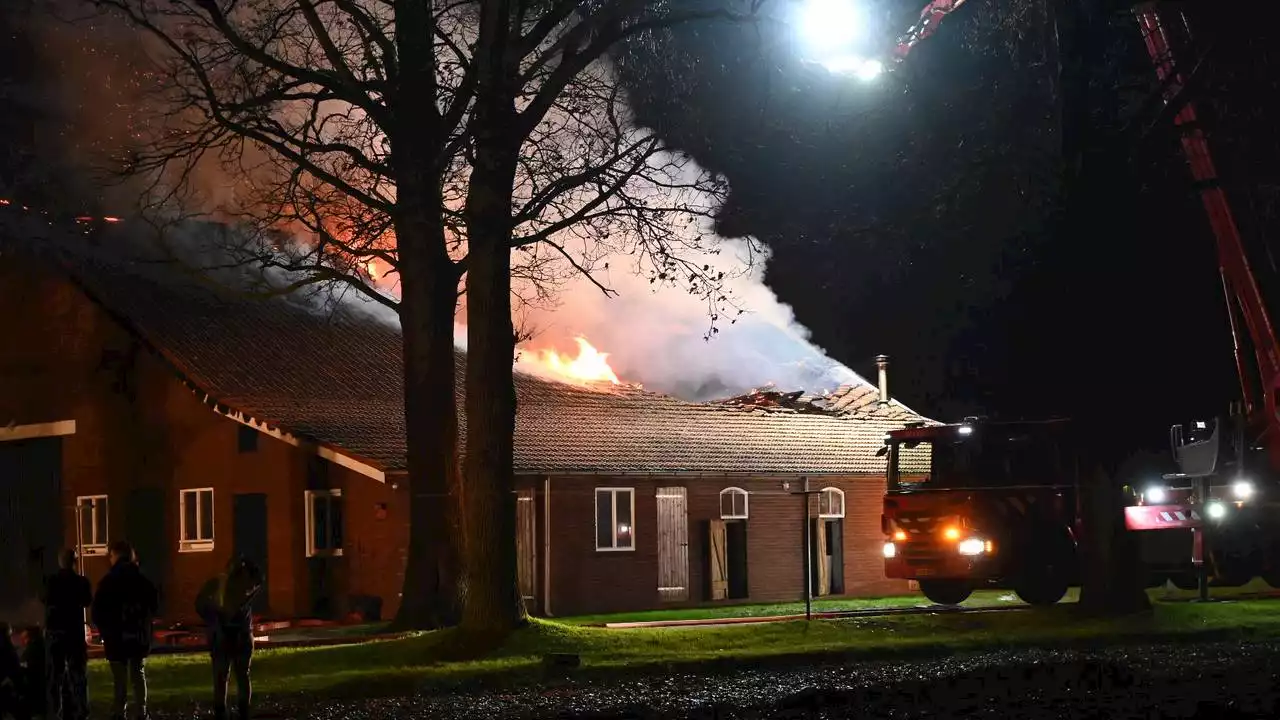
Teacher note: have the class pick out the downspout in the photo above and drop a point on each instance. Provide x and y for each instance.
(546, 546)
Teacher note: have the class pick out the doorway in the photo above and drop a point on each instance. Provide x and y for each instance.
(726, 565)
(30, 523)
(827, 555)
(249, 517)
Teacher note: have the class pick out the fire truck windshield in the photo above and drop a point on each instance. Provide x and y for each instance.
(985, 459)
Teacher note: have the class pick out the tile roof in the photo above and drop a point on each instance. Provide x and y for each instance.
(334, 376)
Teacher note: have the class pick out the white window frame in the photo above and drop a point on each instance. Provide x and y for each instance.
(835, 492)
(200, 544)
(613, 515)
(92, 549)
(746, 503)
(312, 550)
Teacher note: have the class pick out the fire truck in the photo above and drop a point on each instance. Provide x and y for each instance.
(982, 504)
(992, 512)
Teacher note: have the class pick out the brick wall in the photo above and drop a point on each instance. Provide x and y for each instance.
(140, 429)
(586, 581)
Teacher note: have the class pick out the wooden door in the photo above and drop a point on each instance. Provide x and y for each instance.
(717, 561)
(249, 538)
(527, 546)
(31, 518)
(673, 544)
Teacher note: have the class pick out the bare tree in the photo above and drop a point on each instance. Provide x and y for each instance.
(536, 66)
(368, 147)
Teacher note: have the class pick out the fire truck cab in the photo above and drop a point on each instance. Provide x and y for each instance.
(982, 504)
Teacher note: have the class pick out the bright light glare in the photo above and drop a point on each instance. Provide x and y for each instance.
(951, 533)
(1156, 494)
(831, 26)
(966, 430)
(972, 546)
(890, 550)
(870, 70)
(1216, 510)
(900, 536)
(1242, 489)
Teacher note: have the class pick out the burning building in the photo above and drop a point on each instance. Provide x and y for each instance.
(145, 403)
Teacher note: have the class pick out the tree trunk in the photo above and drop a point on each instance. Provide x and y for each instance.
(1113, 582)
(434, 587)
(431, 597)
(494, 605)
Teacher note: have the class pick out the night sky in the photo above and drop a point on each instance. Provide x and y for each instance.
(917, 217)
(920, 216)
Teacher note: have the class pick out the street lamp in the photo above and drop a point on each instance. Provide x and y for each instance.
(834, 33)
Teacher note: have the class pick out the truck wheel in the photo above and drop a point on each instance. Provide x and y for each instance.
(946, 592)
(1042, 588)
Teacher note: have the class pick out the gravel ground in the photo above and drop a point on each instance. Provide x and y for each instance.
(1219, 680)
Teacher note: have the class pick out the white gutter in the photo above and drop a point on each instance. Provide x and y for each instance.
(37, 430)
(327, 453)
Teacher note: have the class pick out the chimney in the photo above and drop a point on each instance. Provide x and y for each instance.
(882, 365)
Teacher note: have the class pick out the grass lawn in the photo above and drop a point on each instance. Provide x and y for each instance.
(982, 598)
(409, 663)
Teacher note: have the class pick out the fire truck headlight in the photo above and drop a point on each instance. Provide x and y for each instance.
(1242, 489)
(1215, 510)
(890, 550)
(951, 533)
(972, 546)
(1155, 495)
(900, 536)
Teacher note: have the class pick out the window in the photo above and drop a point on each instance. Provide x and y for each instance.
(615, 513)
(733, 504)
(196, 520)
(247, 439)
(92, 513)
(831, 503)
(324, 522)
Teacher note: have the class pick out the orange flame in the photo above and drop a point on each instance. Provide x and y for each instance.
(590, 365)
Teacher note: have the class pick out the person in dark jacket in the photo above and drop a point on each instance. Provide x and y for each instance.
(124, 609)
(67, 594)
(226, 605)
(11, 680)
(36, 664)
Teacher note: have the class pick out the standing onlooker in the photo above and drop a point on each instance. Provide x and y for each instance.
(11, 680)
(37, 665)
(66, 595)
(226, 604)
(123, 610)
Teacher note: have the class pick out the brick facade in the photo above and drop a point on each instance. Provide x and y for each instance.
(587, 581)
(142, 436)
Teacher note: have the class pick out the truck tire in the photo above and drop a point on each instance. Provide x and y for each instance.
(946, 592)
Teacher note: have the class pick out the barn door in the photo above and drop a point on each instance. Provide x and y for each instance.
(673, 545)
(717, 561)
(526, 547)
(30, 521)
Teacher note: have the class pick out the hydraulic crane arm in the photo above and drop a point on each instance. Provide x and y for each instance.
(1243, 296)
